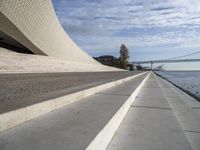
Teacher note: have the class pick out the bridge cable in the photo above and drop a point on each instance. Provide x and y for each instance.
(190, 54)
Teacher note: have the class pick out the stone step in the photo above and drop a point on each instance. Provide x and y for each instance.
(150, 124)
(13, 62)
(86, 124)
(15, 112)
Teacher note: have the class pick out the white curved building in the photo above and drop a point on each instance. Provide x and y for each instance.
(33, 25)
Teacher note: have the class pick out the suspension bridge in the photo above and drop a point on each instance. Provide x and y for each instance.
(169, 60)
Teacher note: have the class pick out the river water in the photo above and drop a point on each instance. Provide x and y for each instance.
(188, 80)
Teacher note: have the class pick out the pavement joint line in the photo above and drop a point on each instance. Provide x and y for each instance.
(112, 94)
(150, 97)
(152, 107)
(191, 131)
(195, 107)
(155, 87)
(173, 97)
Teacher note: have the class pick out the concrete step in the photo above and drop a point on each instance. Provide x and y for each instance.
(150, 124)
(86, 124)
(23, 108)
(13, 62)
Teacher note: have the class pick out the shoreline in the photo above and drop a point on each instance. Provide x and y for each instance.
(186, 91)
(181, 70)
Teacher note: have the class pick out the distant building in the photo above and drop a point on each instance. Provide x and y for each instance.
(108, 60)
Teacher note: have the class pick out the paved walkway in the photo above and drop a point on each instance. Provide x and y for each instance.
(159, 119)
(72, 127)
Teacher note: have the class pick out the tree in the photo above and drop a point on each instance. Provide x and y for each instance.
(124, 55)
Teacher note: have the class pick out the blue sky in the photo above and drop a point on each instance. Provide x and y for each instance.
(151, 29)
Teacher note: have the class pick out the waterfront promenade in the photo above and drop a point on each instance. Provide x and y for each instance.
(161, 117)
(143, 113)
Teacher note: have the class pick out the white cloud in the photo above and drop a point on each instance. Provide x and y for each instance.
(104, 24)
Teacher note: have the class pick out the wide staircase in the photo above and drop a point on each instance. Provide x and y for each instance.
(13, 62)
(141, 112)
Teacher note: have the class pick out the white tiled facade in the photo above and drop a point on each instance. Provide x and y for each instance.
(34, 24)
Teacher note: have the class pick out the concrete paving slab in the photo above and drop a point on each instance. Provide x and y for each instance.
(197, 111)
(149, 129)
(163, 83)
(149, 97)
(185, 114)
(193, 103)
(171, 92)
(188, 119)
(124, 89)
(71, 127)
(146, 101)
(150, 123)
(151, 82)
(152, 92)
(194, 138)
(188, 99)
